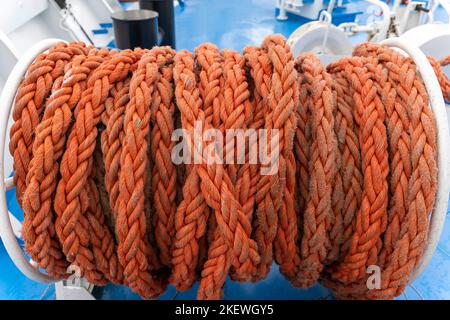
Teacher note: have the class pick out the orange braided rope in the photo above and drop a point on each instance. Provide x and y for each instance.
(372, 215)
(397, 124)
(71, 200)
(163, 171)
(444, 81)
(283, 101)
(211, 82)
(211, 85)
(236, 113)
(29, 105)
(349, 154)
(192, 213)
(409, 235)
(318, 213)
(135, 253)
(38, 231)
(265, 222)
(354, 182)
(112, 140)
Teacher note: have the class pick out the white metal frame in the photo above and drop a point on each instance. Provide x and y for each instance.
(378, 28)
(402, 18)
(409, 17)
(383, 27)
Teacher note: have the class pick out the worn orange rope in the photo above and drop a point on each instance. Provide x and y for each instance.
(237, 113)
(318, 215)
(407, 240)
(39, 232)
(372, 215)
(444, 81)
(349, 156)
(112, 140)
(192, 213)
(283, 99)
(211, 83)
(265, 221)
(71, 200)
(163, 171)
(354, 182)
(135, 253)
(30, 102)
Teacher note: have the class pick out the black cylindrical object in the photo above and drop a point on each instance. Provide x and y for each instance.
(135, 28)
(166, 20)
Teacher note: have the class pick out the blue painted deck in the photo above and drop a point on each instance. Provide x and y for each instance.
(233, 24)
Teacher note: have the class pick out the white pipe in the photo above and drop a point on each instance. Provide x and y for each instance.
(6, 101)
(9, 183)
(112, 5)
(396, 5)
(386, 12)
(443, 137)
(351, 27)
(325, 17)
(282, 14)
(331, 5)
(16, 225)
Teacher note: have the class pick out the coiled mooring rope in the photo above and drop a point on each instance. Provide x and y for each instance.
(355, 183)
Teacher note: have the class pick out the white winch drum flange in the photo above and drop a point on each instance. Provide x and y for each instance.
(433, 39)
(309, 38)
(29, 268)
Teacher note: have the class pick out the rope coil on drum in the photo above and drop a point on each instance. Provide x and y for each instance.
(355, 183)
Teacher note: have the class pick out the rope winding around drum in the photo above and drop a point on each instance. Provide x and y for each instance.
(355, 181)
